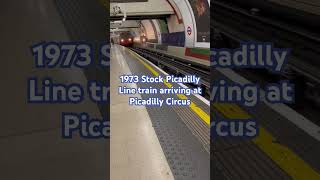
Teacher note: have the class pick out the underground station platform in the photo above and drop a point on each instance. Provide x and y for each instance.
(171, 142)
(177, 138)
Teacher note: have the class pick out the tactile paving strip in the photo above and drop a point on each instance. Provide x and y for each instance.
(172, 144)
(285, 133)
(186, 156)
(242, 160)
(85, 20)
(196, 125)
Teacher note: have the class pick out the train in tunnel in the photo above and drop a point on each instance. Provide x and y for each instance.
(126, 39)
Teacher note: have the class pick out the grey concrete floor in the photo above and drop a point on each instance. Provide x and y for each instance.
(135, 151)
(31, 146)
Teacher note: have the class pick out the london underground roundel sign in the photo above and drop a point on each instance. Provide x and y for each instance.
(189, 30)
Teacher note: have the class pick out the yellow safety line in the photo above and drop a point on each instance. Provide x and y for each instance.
(231, 111)
(285, 158)
(202, 114)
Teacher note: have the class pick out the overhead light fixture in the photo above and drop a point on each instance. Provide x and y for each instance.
(124, 16)
(117, 22)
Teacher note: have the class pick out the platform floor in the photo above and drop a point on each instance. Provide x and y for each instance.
(286, 148)
(146, 142)
(136, 153)
(31, 146)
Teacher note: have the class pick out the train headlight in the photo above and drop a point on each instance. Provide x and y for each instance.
(130, 39)
(122, 40)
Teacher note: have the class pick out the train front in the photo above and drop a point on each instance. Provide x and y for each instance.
(126, 39)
